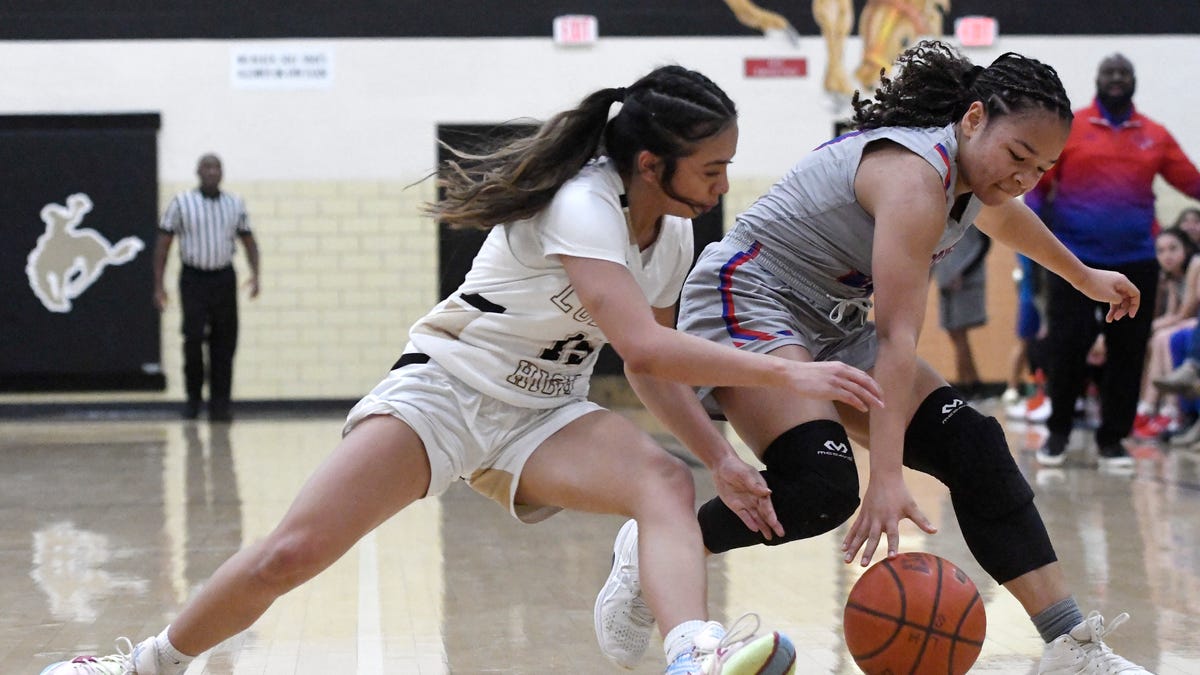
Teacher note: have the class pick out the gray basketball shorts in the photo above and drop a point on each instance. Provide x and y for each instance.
(965, 306)
(731, 298)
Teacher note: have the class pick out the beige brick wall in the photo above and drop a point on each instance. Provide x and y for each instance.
(348, 266)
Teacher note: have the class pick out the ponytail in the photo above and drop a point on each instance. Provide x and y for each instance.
(666, 112)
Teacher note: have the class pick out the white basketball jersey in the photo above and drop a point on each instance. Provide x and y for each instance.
(515, 329)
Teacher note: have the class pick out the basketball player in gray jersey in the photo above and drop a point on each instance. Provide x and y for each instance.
(944, 145)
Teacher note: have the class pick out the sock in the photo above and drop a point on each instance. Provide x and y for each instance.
(1058, 619)
(679, 639)
(170, 660)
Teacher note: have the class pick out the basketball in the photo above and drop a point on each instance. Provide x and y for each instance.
(916, 614)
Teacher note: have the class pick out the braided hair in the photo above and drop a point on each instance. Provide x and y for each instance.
(666, 112)
(935, 86)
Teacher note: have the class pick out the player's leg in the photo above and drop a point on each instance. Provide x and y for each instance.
(809, 464)
(602, 463)
(378, 468)
(993, 503)
(381, 464)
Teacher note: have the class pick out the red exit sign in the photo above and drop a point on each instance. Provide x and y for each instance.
(777, 67)
(976, 31)
(576, 29)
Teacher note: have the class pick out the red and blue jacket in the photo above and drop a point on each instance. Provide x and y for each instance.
(1098, 198)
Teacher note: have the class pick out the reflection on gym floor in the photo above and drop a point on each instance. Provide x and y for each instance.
(107, 527)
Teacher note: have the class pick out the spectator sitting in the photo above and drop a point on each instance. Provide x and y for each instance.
(1175, 308)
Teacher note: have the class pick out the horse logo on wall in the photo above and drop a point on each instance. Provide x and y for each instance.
(69, 259)
(887, 27)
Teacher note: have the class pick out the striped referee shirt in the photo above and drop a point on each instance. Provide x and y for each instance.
(206, 227)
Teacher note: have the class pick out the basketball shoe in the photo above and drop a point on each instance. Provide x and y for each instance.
(1053, 451)
(1083, 651)
(740, 651)
(129, 660)
(623, 620)
(1114, 456)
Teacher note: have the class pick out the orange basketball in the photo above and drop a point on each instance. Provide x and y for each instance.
(916, 614)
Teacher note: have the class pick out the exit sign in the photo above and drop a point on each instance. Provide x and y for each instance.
(976, 31)
(576, 29)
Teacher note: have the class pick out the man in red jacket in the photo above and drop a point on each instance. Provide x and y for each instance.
(1099, 201)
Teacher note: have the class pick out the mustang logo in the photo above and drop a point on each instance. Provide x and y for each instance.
(67, 260)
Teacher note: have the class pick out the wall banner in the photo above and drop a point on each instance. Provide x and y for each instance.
(79, 220)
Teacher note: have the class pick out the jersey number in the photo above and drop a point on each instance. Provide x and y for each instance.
(571, 350)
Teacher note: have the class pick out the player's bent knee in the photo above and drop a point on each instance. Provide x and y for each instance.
(992, 500)
(967, 451)
(814, 488)
(665, 475)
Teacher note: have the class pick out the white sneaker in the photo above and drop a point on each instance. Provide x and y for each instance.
(1016, 411)
(623, 620)
(1039, 413)
(129, 660)
(1083, 652)
(737, 652)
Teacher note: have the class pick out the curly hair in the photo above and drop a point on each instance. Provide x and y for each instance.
(666, 112)
(935, 86)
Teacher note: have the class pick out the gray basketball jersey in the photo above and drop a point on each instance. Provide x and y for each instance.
(811, 228)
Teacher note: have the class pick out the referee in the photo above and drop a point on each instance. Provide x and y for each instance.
(207, 221)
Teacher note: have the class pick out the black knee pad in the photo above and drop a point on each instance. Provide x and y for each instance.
(814, 488)
(993, 502)
(967, 451)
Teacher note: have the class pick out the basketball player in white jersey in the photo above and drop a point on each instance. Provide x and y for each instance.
(590, 240)
(943, 146)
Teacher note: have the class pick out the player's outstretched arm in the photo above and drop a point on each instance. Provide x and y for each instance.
(611, 295)
(1015, 224)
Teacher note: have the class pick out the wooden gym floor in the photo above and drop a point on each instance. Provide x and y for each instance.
(108, 525)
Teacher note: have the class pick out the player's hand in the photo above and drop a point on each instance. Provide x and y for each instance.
(252, 285)
(160, 299)
(1122, 296)
(744, 491)
(887, 501)
(836, 381)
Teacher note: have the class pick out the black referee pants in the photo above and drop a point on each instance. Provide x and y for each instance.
(210, 314)
(1073, 327)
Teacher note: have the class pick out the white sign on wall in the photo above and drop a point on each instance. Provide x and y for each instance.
(281, 67)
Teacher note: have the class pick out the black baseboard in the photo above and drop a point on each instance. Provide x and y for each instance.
(82, 382)
(157, 410)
